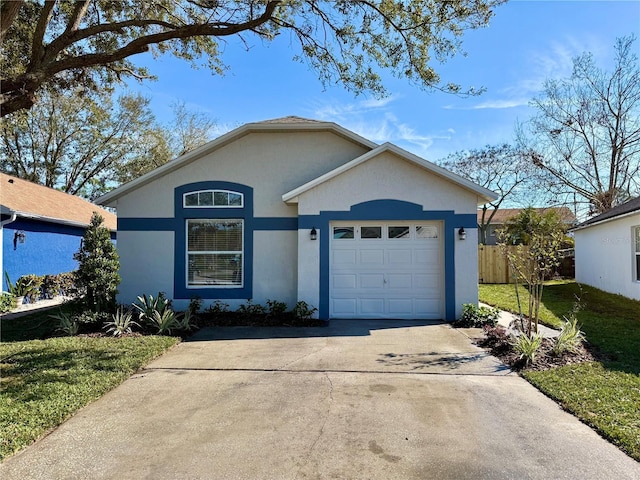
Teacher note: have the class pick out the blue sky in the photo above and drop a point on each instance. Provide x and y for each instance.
(525, 43)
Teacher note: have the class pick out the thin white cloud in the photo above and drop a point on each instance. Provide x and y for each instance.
(553, 60)
(375, 120)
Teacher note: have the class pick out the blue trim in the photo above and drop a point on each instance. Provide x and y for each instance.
(180, 290)
(385, 210)
(137, 224)
(141, 224)
(275, 223)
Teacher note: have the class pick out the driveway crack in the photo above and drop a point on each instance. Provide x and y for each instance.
(321, 431)
(302, 357)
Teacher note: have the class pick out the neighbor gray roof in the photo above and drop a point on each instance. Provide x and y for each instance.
(626, 208)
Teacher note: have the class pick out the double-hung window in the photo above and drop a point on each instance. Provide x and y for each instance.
(215, 253)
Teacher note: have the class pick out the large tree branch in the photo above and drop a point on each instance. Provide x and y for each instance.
(8, 12)
(37, 46)
(19, 92)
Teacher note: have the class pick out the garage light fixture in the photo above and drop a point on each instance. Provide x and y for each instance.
(313, 234)
(462, 235)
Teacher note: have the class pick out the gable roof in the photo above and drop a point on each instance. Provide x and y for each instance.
(504, 214)
(483, 193)
(30, 200)
(284, 124)
(627, 208)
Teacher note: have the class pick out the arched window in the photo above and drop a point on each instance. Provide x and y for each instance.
(213, 199)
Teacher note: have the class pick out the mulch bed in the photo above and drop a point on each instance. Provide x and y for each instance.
(545, 360)
(234, 320)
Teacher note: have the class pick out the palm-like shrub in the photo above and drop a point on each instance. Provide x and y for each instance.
(570, 337)
(121, 323)
(527, 345)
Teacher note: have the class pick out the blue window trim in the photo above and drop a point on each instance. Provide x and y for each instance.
(180, 289)
(386, 210)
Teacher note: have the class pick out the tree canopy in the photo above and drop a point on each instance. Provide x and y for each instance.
(585, 134)
(501, 168)
(66, 43)
(84, 143)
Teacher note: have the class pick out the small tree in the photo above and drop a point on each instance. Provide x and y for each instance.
(537, 239)
(97, 274)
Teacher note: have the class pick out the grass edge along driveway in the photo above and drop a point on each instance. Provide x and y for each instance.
(44, 382)
(605, 394)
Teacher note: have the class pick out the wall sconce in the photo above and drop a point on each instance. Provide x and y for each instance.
(462, 235)
(313, 234)
(18, 237)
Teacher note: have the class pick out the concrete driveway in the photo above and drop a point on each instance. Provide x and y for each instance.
(356, 400)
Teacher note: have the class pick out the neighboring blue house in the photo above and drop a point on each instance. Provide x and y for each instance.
(41, 228)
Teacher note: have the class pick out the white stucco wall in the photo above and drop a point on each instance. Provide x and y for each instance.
(146, 264)
(390, 177)
(387, 177)
(605, 256)
(466, 268)
(275, 268)
(272, 164)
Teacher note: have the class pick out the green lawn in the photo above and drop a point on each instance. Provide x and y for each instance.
(605, 394)
(45, 381)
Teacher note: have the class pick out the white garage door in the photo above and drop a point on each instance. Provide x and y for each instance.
(386, 270)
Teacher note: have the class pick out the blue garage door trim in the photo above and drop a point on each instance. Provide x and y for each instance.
(386, 210)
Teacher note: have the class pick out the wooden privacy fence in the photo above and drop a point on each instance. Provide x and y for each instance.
(493, 266)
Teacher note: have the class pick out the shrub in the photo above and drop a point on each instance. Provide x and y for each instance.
(35, 286)
(218, 308)
(147, 306)
(570, 337)
(163, 322)
(66, 323)
(97, 275)
(250, 309)
(195, 304)
(478, 317)
(7, 302)
(121, 323)
(90, 320)
(185, 321)
(67, 284)
(275, 308)
(527, 346)
(304, 311)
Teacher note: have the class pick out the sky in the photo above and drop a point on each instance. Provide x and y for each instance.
(525, 43)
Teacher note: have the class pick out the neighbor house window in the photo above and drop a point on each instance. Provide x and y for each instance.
(215, 252)
(637, 252)
(213, 198)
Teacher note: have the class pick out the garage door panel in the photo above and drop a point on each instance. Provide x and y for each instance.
(345, 281)
(400, 306)
(427, 306)
(379, 276)
(371, 306)
(344, 257)
(399, 257)
(424, 282)
(426, 256)
(372, 280)
(400, 280)
(345, 307)
(372, 257)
